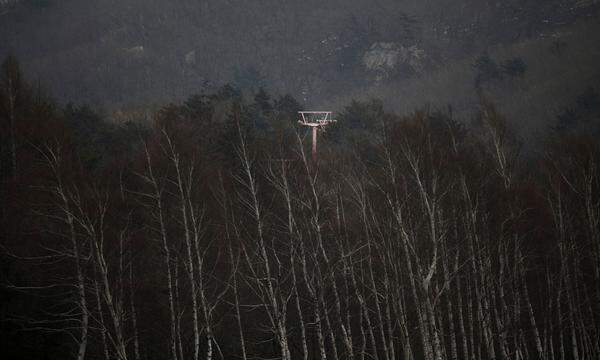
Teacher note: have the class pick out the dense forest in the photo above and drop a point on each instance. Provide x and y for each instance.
(204, 230)
(128, 54)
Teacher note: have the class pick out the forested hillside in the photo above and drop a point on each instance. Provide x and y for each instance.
(205, 231)
(134, 53)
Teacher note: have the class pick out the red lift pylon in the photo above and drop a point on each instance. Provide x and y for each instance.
(316, 120)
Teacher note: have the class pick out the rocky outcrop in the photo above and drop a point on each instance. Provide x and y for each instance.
(383, 58)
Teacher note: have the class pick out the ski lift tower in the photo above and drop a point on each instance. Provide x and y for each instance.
(316, 120)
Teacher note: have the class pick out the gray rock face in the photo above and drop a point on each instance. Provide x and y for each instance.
(383, 58)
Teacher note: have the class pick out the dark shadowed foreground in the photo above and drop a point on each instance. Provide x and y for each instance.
(210, 234)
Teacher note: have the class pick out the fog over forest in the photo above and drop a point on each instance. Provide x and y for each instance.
(126, 54)
(160, 199)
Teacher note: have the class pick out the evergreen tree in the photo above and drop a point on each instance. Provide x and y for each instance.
(14, 96)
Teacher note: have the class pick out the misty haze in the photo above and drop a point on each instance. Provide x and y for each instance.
(287, 179)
